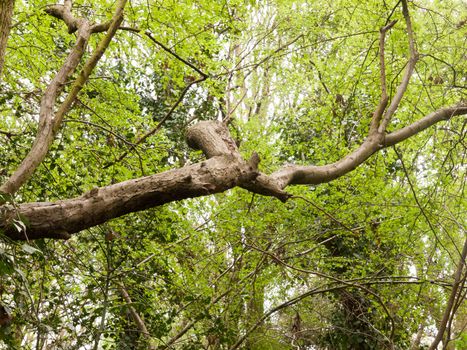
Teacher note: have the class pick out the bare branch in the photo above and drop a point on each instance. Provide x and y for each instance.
(226, 169)
(63, 12)
(172, 109)
(166, 49)
(448, 312)
(402, 88)
(424, 123)
(49, 122)
(384, 91)
(136, 318)
(159, 126)
(44, 137)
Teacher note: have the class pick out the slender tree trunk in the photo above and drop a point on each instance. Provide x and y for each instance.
(452, 298)
(6, 12)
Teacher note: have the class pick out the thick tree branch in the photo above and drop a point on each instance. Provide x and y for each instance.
(62, 218)
(6, 13)
(63, 12)
(49, 122)
(59, 219)
(225, 169)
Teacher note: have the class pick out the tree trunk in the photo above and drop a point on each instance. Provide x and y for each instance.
(6, 13)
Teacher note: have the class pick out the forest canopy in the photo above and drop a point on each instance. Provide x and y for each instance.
(233, 174)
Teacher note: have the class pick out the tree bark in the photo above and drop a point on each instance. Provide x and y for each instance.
(6, 14)
(224, 169)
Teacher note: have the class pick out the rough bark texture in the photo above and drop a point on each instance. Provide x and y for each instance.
(225, 169)
(62, 218)
(6, 13)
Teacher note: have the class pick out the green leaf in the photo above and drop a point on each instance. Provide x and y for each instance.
(29, 249)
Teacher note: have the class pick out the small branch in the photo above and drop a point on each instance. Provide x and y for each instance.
(161, 122)
(90, 64)
(343, 283)
(402, 88)
(44, 137)
(417, 201)
(166, 49)
(320, 78)
(153, 131)
(121, 138)
(326, 213)
(9, 134)
(136, 318)
(424, 123)
(448, 312)
(384, 92)
(195, 320)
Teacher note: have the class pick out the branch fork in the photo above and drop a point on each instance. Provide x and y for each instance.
(49, 120)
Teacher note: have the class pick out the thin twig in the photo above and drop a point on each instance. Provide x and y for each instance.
(419, 204)
(162, 121)
(165, 48)
(326, 213)
(102, 128)
(153, 131)
(344, 284)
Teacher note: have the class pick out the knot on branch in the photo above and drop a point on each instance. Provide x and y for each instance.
(213, 138)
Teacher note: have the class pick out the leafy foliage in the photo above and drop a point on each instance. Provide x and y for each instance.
(363, 262)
